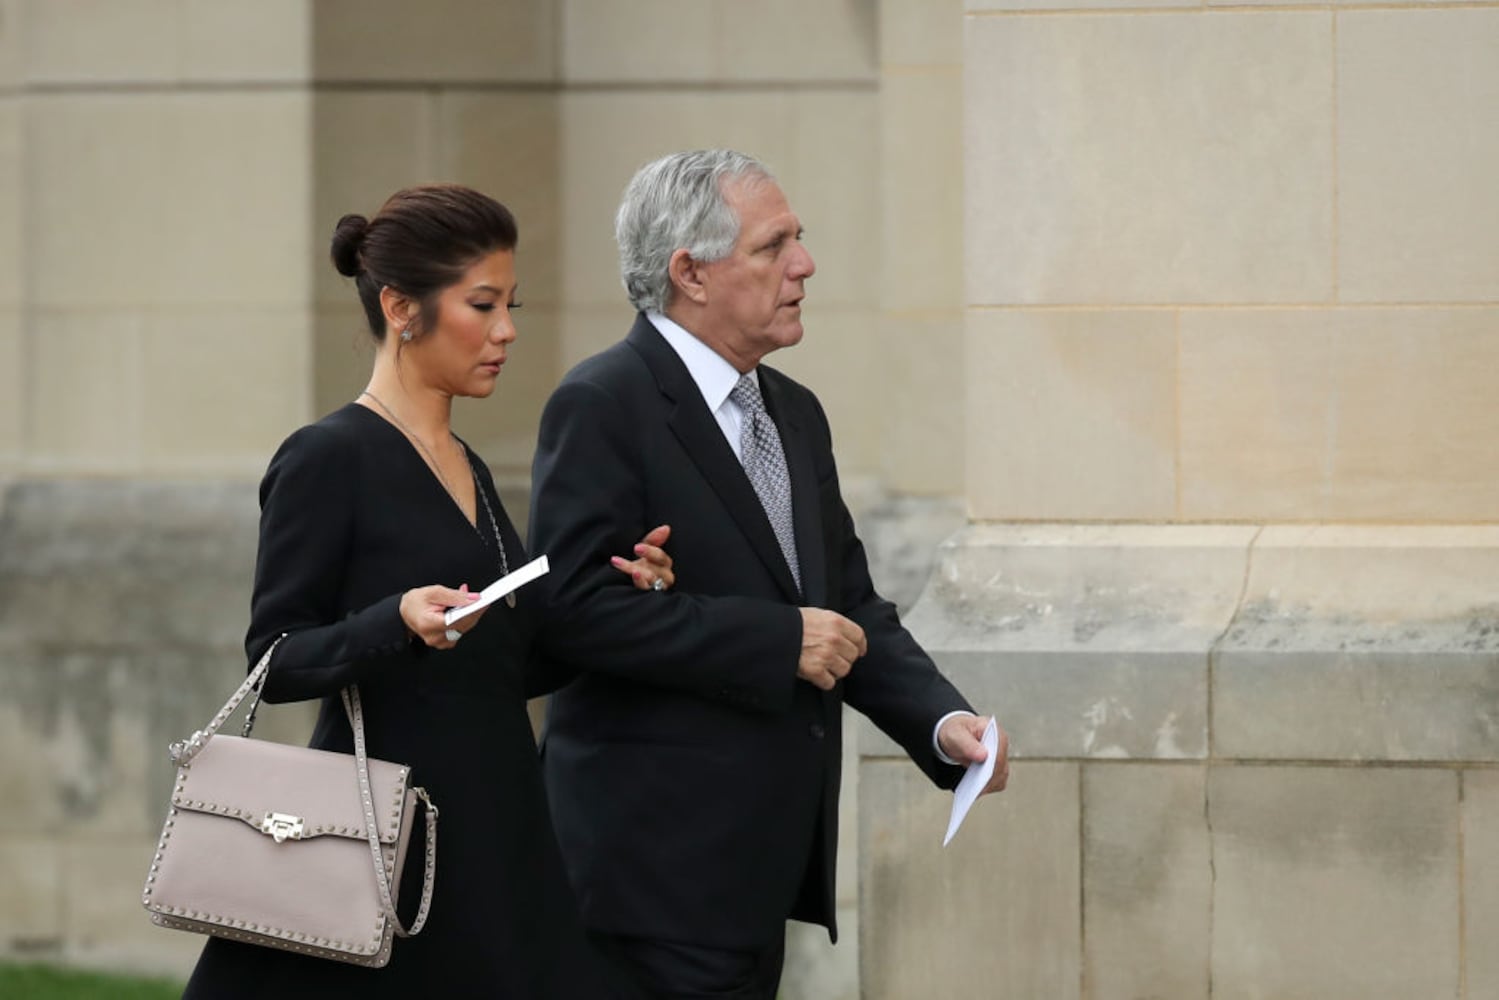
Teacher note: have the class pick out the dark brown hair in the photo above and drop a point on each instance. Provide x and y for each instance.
(419, 243)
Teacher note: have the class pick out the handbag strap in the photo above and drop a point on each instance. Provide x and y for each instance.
(183, 751)
(382, 879)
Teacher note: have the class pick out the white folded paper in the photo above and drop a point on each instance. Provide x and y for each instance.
(513, 581)
(977, 776)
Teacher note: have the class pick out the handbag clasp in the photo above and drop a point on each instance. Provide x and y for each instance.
(281, 826)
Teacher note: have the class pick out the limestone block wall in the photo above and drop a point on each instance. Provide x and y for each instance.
(153, 194)
(1231, 263)
(171, 173)
(1231, 288)
(1253, 762)
(11, 403)
(921, 265)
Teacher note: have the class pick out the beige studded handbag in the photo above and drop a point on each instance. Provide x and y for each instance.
(286, 846)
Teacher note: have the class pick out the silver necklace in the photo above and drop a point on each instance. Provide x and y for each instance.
(478, 486)
(431, 458)
(493, 526)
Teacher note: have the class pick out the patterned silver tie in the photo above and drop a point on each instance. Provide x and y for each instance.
(765, 464)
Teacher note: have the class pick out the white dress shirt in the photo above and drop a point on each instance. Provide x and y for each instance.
(714, 376)
(715, 379)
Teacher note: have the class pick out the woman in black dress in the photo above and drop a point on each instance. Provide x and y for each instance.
(374, 520)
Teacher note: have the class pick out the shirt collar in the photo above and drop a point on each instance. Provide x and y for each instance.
(714, 376)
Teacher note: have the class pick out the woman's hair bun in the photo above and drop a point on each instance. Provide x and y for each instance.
(348, 240)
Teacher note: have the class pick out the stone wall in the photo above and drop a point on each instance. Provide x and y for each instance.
(1251, 762)
(1231, 264)
(157, 171)
(1231, 286)
(173, 172)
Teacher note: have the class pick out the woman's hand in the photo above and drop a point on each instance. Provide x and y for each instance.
(422, 610)
(651, 567)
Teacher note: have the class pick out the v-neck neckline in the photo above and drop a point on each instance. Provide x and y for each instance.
(432, 476)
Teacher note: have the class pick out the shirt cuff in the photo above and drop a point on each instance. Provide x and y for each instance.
(937, 747)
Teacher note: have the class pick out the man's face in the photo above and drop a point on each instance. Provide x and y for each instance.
(754, 294)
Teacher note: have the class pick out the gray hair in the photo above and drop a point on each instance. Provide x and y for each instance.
(677, 203)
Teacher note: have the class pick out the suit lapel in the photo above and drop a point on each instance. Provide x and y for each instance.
(805, 507)
(805, 514)
(704, 443)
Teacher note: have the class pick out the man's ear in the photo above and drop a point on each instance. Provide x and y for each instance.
(687, 277)
(400, 310)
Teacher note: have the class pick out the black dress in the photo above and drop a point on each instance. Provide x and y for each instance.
(351, 517)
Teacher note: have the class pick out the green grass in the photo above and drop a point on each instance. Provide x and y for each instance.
(46, 982)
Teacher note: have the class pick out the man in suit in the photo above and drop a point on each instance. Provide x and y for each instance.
(693, 768)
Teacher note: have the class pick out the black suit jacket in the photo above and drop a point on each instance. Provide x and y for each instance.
(693, 778)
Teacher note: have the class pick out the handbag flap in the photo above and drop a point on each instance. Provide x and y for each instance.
(298, 792)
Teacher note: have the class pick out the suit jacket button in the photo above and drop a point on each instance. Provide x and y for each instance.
(816, 730)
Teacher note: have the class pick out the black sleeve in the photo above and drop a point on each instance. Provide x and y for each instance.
(896, 684)
(545, 675)
(307, 521)
(588, 503)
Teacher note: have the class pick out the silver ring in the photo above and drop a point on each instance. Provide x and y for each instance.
(658, 584)
(453, 635)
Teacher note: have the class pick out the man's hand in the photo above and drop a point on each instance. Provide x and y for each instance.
(961, 738)
(830, 645)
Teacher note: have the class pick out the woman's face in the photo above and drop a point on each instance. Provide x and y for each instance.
(466, 349)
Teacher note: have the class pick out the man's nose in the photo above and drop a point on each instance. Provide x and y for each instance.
(803, 266)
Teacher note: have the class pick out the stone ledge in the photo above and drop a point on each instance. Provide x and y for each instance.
(1087, 640)
(1065, 587)
(123, 607)
(1080, 703)
(1361, 643)
(136, 563)
(901, 534)
(1222, 642)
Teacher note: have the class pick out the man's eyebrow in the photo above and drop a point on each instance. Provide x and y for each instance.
(781, 233)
